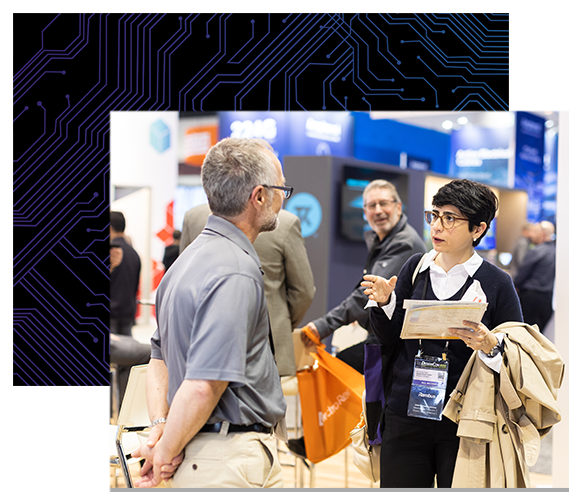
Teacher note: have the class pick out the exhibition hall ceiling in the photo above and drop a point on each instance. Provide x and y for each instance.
(434, 120)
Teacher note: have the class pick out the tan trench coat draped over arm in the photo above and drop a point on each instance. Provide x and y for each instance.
(502, 418)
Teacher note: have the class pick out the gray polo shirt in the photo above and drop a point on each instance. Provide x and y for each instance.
(213, 324)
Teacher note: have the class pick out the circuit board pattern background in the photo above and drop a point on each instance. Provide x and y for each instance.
(71, 70)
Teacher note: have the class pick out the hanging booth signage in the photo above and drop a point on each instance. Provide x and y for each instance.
(530, 133)
(197, 140)
(271, 126)
(293, 133)
(549, 203)
(481, 154)
(418, 163)
(321, 133)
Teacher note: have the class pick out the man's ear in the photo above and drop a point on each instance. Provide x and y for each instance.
(258, 196)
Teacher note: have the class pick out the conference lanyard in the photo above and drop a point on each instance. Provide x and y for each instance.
(430, 378)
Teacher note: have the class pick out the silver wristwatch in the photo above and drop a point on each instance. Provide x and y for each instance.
(497, 349)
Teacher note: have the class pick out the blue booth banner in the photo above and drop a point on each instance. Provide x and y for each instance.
(321, 133)
(481, 154)
(530, 144)
(293, 133)
(549, 203)
(271, 126)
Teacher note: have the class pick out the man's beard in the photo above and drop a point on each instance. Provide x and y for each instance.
(269, 220)
(270, 224)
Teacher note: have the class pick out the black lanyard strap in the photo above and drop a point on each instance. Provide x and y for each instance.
(467, 283)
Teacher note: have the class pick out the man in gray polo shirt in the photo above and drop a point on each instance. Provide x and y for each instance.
(213, 389)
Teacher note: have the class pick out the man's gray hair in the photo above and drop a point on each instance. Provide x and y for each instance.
(231, 170)
(381, 183)
(548, 229)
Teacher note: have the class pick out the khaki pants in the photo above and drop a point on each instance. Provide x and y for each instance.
(238, 459)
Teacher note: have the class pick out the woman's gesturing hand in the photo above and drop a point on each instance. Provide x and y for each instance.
(378, 289)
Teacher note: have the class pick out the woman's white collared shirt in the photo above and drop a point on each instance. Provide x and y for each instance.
(447, 284)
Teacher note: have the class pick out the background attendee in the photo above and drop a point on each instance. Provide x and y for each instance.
(289, 284)
(520, 249)
(213, 386)
(194, 222)
(125, 350)
(549, 329)
(420, 447)
(115, 256)
(172, 251)
(124, 279)
(536, 275)
(391, 242)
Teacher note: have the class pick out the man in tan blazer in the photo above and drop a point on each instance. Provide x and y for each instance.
(289, 284)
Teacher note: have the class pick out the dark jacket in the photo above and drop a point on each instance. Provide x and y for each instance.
(170, 254)
(537, 271)
(124, 282)
(385, 259)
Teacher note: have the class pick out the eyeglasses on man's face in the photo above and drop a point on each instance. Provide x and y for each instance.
(287, 189)
(384, 204)
(447, 220)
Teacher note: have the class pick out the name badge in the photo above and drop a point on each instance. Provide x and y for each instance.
(427, 397)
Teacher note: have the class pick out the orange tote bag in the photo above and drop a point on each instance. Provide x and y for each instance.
(331, 401)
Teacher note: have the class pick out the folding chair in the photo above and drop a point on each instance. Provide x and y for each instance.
(290, 388)
(114, 393)
(133, 417)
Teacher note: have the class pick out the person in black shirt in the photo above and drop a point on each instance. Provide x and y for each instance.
(124, 280)
(536, 275)
(171, 252)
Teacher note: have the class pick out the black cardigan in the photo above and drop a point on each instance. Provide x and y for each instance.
(503, 305)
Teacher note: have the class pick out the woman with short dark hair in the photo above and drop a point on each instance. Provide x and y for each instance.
(475, 201)
(419, 444)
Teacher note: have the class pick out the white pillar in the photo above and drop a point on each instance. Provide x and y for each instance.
(560, 465)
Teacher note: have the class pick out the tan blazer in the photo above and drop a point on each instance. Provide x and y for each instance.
(289, 283)
(502, 418)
